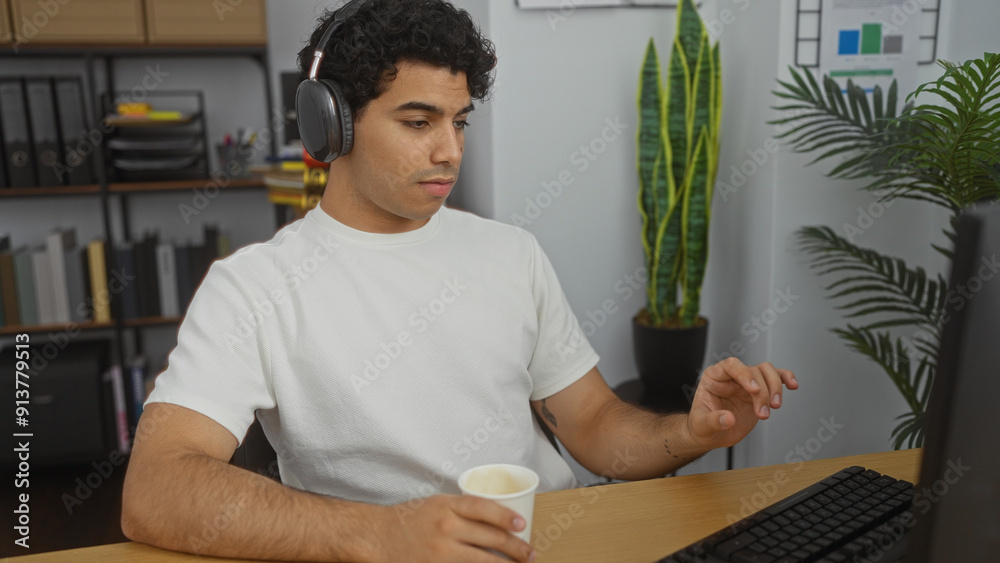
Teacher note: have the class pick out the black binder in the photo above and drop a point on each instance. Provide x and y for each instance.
(72, 126)
(18, 148)
(45, 131)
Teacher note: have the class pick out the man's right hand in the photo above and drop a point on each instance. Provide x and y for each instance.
(450, 528)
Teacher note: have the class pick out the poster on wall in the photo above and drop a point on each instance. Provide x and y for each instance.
(563, 4)
(871, 42)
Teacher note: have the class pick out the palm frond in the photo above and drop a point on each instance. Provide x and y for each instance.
(878, 284)
(825, 118)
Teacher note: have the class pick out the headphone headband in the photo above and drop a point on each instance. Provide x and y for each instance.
(345, 11)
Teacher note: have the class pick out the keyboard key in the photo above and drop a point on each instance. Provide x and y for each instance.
(772, 524)
(854, 469)
(769, 541)
(871, 474)
(884, 481)
(860, 480)
(822, 528)
(751, 557)
(780, 520)
(790, 546)
(732, 545)
(759, 531)
(777, 552)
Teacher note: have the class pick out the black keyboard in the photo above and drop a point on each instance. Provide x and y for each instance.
(854, 512)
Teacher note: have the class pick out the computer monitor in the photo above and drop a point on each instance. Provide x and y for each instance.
(958, 507)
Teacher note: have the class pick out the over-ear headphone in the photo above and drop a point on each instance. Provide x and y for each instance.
(326, 125)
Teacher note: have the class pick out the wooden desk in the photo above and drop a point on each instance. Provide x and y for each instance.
(622, 523)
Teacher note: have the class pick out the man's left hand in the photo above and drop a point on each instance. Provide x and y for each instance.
(731, 398)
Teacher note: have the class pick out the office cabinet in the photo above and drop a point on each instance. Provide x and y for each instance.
(4, 21)
(78, 21)
(198, 21)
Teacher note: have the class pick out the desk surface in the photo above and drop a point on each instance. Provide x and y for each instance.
(623, 523)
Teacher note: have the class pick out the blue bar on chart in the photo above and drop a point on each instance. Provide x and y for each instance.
(850, 39)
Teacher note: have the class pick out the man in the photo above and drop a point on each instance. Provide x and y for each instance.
(387, 343)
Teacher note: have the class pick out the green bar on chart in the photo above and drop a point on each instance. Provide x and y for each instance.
(871, 39)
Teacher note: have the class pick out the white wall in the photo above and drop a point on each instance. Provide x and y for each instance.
(561, 75)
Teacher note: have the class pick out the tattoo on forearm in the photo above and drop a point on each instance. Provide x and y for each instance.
(666, 444)
(548, 414)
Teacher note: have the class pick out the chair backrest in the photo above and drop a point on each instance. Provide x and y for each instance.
(256, 453)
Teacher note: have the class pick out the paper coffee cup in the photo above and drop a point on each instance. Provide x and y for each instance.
(509, 485)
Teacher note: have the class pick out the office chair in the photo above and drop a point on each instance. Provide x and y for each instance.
(257, 455)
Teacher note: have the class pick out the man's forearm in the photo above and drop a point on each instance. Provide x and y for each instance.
(198, 504)
(631, 444)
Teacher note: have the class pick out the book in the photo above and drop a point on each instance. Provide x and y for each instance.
(58, 243)
(148, 280)
(87, 303)
(16, 133)
(99, 281)
(69, 100)
(183, 263)
(8, 290)
(121, 417)
(42, 268)
(44, 131)
(137, 372)
(167, 273)
(130, 295)
(25, 275)
(78, 309)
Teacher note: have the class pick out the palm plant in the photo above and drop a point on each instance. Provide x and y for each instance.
(678, 151)
(946, 154)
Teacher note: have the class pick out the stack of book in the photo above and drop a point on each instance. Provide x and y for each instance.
(62, 282)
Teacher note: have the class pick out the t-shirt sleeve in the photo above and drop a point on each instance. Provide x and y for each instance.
(220, 365)
(562, 352)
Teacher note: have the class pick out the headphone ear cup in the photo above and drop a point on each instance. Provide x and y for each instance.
(324, 118)
(345, 115)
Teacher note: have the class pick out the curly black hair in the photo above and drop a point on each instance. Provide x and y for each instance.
(362, 54)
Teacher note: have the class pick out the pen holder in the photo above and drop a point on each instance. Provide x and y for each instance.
(234, 160)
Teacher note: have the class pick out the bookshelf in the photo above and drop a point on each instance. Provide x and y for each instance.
(98, 79)
(251, 183)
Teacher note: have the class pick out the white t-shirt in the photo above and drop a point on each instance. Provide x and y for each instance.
(381, 366)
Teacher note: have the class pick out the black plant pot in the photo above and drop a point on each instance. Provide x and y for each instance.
(669, 361)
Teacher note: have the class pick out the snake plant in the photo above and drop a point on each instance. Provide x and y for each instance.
(678, 153)
(945, 153)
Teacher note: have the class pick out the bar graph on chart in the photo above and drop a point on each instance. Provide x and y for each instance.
(871, 43)
(868, 40)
